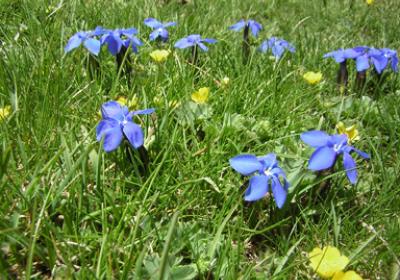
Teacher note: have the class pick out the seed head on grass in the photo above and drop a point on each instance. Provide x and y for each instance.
(268, 173)
(253, 25)
(117, 123)
(118, 38)
(328, 148)
(277, 46)
(159, 29)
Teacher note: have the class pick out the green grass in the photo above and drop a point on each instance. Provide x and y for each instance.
(69, 210)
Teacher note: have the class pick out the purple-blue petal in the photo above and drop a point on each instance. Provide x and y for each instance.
(315, 138)
(202, 46)
(258, 188)
(134, 134)
(245, 164)
(143, 112)
(322, 158)
(92, 45)
(153, 23)
(278, 191)
(238, 26)
(362, 63)
(183, 43)
(112, 110)
(112, 138)
(350, 166)
(74, 42)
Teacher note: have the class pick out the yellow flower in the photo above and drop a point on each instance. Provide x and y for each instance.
(131, 104)
(5, 112)
(348, 275)
(327, 262)
(351, 131)
(201, 96)
(313, 78)
(370, 2)
(159, 56)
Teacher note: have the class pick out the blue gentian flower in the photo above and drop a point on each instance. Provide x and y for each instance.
(268, 173)
(328, 148)
(342, 55)
(194, 40)
(87, 39)
(118, 38)
(117, 123)
(380, 58)
(277, 46)
(159, 29)
(254, 26)
(365, 56)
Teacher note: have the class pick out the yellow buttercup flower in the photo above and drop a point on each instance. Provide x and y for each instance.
(348, 275)
(201, 96)
(313, 78)
(370, 2)
(351, 131)
(327, 261)
(5, 112)
(159, 56)
(131, 103)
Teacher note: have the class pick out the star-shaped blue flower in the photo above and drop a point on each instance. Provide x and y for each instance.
(328, 149)
(87, 38)
(365, 56)
(254, 26)
(277, 46)
(117, 123)
(159, 29)
(117, 38)
(267, 173)
(194, 40)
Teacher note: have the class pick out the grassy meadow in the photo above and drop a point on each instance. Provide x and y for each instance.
(69, 210)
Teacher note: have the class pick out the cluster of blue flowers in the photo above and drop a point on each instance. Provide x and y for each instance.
(268, 173)
(118, 38)
(366, 56)
(117, 122)
(276, 45)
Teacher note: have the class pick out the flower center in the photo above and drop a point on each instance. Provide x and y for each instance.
(124, 122)
(268, 172)
(337, 147)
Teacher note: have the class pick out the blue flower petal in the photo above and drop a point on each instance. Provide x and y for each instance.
(112, 138)
(153, 23)
(278, 191)
(168, 24)
(257, 189)
(264, 46)
(315, 138)
(113, 110)
(238, 26)
(322, 158)
(104, 126)
(245, 164)
(183, 43)
(74, 42)
(143, 112)
(134, 134)
(255, 27)
(362, 63)
(114, 43)
(209, 40)
(202, 46)
(92, 45)
(350, 166)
